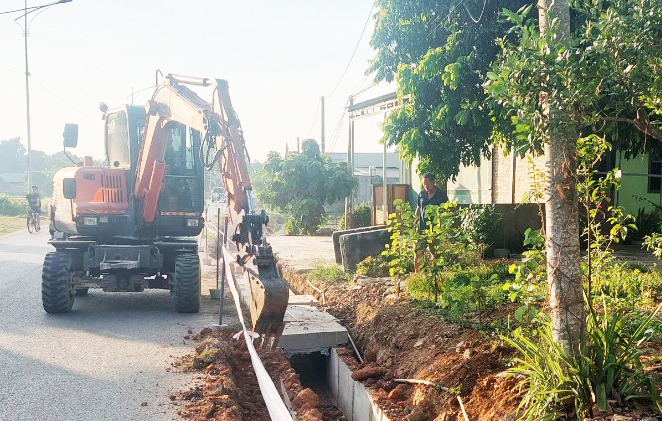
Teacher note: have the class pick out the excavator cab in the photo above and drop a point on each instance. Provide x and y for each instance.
(181, 202)
(123, 135)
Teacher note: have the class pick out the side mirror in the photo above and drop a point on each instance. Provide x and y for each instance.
(70, 135)
(69, 188)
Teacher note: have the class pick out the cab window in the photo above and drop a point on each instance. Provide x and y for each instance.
(117, 140)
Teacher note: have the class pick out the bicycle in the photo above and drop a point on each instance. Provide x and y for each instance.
(32, 220)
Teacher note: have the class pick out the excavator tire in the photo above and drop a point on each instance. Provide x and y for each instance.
(57, 294)
(187, 283)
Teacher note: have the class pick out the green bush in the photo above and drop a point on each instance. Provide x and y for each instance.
(323, 273)
(374, 267)
(628, 287)
(481, 223)
(361, 217)
(647, 223)
(555, 382)
(474, 289)
(12, 206)
(292, 227)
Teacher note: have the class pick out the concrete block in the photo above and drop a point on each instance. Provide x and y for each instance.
(352, 397)
(332, 374)
(345, 391)
(336, 238)
(355, 247)
(308, 330)
(362, 404)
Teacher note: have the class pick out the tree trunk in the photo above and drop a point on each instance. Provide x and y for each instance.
(561, 206)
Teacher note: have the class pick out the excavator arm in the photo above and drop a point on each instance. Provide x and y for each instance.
(222, 144)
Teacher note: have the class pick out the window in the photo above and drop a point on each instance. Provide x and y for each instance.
(175, 155)
(117, 140)
(654, 172)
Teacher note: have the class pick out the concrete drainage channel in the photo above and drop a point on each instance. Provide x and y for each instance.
(310, 341)
(331, 379)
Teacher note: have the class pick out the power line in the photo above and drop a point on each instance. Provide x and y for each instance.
(481, 12)
(337, 128)
(314, 118)
(12, 71)
(355, 48)
(62, 100)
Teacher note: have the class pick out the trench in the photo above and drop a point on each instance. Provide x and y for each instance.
(340, 397)
(324, 372)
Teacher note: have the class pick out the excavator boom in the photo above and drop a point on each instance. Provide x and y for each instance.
(222, 144)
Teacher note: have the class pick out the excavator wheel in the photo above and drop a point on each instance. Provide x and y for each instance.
(187, 283)
(57, 293)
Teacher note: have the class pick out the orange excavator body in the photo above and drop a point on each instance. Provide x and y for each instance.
(150, 198)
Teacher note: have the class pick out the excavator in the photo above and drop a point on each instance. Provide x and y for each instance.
(131, 223)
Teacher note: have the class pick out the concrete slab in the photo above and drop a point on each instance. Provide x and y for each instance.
(306, 328)
(302, 299)
(309, 330)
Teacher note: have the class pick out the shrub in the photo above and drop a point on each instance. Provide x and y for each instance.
(361, 217)
(292, 227)
(481, 223)
(474, 289)
(324, 274)
(374, 267)
(12, 206)
(608, 363)
(647, 223)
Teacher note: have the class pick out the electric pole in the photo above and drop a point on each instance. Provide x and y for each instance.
(322, 138)
(350, 164)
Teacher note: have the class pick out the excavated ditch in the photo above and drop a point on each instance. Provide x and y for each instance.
(228, 387)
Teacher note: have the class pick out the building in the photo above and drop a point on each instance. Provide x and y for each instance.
(12, 183)
(369, 171)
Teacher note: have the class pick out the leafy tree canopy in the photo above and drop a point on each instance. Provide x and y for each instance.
(302, 183)
(13, 158)
(609, 81)
(440, 51)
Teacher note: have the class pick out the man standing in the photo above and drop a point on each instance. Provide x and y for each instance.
(430, 195)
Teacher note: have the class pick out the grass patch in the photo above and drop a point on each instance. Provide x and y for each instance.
(9, 224)
(325, 274)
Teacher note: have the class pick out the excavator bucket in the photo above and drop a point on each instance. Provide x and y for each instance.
(268, 297)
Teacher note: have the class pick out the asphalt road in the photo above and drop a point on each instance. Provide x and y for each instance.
(106, 360)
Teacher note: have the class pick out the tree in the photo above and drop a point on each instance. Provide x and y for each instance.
(301, 184)
(564, 277)
(12, 156)
(440, 52)
(602, 75)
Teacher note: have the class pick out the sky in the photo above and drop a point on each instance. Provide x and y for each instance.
(279, 59)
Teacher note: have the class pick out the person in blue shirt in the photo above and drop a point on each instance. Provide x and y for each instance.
(431, 194)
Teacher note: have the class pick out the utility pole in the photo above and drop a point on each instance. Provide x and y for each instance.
(322, 138)
(384, 182)
(350, 164)
(27, 75)
(298, 149)
(27, 94)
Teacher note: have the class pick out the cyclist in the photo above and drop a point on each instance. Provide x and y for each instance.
(34, 200)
